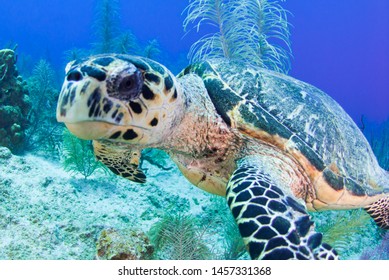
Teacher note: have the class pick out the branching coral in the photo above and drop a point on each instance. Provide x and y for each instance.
(247, 30)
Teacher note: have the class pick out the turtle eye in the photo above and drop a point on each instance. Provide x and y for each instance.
(130, 86)
(74, 76)
(127, 84)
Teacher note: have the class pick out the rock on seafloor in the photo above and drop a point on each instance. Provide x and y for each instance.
(123, 245)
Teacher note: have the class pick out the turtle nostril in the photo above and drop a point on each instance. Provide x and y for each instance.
(74, 76)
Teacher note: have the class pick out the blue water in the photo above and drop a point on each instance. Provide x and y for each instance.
(341, 47)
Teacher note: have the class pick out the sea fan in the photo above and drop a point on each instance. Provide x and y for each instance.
(249, 30)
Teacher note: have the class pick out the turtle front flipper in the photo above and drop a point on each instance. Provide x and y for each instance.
(273, 225)
(121, 162)
(379, 211)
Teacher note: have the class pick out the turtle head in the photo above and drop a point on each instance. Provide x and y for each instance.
(119, 98)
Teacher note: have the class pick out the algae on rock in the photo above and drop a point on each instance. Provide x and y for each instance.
(126, 244)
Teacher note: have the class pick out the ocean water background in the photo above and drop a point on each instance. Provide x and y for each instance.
(342, 47)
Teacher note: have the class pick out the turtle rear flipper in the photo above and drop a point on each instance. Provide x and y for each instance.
(273, 225)
(379, 211)
(121, 162)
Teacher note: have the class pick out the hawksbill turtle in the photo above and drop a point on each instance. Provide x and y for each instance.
(274, 146)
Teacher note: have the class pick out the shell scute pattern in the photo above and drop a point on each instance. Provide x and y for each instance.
(298, 119)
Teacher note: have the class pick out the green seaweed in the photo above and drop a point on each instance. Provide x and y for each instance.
(109, 35)
(78, 155)
(255, 31)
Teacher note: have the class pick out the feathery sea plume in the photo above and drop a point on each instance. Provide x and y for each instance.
(254, 31)
(106, 25)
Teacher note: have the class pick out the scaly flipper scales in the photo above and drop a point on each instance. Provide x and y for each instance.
(121, 162)
(273, 225)
(379, 211)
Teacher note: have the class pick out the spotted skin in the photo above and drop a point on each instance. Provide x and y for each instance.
(273, 225)
(123, 163)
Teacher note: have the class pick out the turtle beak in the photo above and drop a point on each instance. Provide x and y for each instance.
(91, 130)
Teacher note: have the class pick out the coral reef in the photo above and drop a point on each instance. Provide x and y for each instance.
(5, 153)
(14, 103)
(126, 244)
